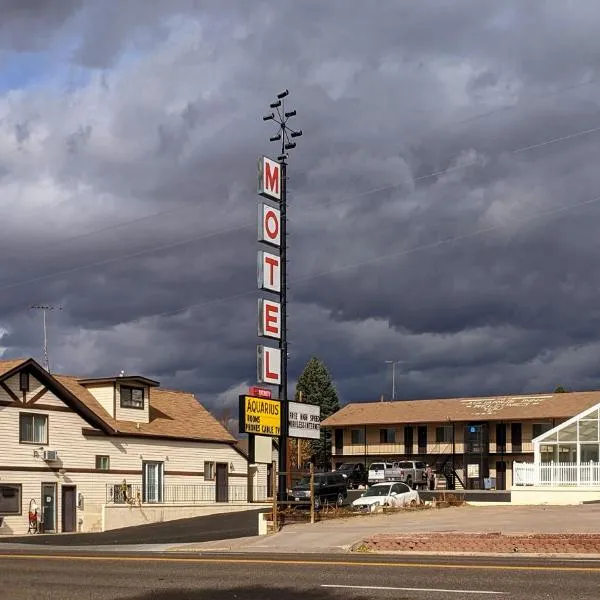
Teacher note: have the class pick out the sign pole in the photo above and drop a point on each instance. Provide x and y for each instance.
(283, 440)
(284, 133)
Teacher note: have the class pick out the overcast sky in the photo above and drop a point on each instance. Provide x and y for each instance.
(444, 199)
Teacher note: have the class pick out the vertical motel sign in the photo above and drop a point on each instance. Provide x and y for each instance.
(269, 271)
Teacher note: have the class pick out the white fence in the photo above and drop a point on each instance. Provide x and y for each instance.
(556, 474)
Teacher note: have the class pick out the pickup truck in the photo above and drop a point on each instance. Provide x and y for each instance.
(411, 472)
(354, 473)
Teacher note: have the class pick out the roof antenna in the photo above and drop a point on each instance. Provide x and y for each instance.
(44, 308)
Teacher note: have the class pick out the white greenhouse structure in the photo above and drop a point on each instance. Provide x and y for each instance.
(566, 456)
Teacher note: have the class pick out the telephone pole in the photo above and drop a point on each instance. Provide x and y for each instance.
(44, 308)
(284, 134)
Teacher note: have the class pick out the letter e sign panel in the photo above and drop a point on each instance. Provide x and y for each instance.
(268, 365)
(269, 319)
(269, 178)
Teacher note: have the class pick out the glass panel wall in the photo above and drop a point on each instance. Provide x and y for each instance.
(573, 442)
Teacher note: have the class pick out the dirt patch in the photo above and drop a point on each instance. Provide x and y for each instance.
(560, 543)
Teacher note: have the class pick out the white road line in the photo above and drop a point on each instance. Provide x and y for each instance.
(408, 589)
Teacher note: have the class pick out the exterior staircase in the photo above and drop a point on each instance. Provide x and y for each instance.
(447, 477)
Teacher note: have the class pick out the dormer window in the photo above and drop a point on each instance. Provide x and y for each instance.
(132, 397)
(24, 381)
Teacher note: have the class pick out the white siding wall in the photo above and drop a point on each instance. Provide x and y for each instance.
(133, 414)
(105, 394)
(183, 462)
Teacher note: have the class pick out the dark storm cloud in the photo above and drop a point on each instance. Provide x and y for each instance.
(133, 196)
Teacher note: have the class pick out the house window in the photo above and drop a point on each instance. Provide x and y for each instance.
(33, 429)
(102, 463)
(10, 498)
(387, 436)
(209, 471)
(443, 434)
(357, 436)
(152, 482)
(539, 428)
(132, 397)
(24, 381)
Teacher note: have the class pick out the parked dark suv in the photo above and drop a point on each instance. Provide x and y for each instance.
(330, 488)
(354, 473)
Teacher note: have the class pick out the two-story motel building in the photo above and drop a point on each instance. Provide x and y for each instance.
(468, 441)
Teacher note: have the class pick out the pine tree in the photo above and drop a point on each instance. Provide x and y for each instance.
(317, 388)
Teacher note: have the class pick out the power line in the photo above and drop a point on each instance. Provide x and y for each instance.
(123, 257)
(333, 202)
(439, 129)
(382, 257)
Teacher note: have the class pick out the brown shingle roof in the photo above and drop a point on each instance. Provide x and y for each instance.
(535, 406)
(173, 414)
(9, 365)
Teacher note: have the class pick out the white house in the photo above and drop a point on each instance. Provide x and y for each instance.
(96, 454)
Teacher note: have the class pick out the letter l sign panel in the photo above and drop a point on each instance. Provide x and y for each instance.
(268, 365)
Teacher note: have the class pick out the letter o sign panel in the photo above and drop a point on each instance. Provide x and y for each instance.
(269, 225)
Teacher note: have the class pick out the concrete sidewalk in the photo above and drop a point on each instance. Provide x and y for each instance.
(338, 536)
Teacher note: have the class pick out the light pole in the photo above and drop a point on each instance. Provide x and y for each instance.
(394, 363)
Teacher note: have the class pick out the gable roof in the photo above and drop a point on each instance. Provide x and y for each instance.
(173, 414)
(496, 408)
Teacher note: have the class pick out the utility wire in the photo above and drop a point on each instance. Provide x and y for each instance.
(247, 226)
(439, 129)
(382, 257)
(242, 227)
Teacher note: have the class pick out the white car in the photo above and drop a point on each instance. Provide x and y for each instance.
(394, 495)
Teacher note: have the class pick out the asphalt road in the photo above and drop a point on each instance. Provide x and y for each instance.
(49, 576)
(198, 529)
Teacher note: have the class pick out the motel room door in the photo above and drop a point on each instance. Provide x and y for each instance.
(222, 492)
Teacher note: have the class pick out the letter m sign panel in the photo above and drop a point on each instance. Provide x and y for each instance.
(269, 178)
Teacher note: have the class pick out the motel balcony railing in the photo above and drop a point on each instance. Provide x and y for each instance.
(555, 474)
(206, 493)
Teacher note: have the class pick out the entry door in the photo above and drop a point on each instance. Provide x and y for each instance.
(49, 506)
(152, 482)
(422, 439)
(69, 508)
(222, 483)
(408, 440)
(500, 475)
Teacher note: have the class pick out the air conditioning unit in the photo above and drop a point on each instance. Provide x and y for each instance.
(50, 455)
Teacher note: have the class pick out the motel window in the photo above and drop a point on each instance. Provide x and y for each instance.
(24, 381)
(33, 429)
(357, 436)
(102, 463)
(539, 428)
(10, 499)
(209, 471)
(443, 434)
(131, 397)
(387, 436)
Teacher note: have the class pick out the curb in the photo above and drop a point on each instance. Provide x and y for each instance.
(557, 555)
